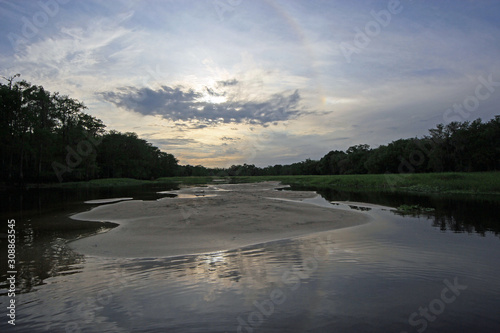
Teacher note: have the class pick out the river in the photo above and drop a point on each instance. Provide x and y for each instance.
(432, 272)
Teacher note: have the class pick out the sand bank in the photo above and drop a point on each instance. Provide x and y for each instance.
(218, 217)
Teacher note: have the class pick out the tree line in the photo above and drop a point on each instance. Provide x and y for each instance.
(456, 147)
(48, 137)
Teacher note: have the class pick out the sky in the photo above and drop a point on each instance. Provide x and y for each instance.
(264, 82)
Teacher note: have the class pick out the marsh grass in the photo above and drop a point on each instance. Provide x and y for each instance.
(452, 183)
(481, 183)
(117, 182)
(414, 209)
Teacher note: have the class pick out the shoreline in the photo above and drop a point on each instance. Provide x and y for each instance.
(469, 184)
(216, 218)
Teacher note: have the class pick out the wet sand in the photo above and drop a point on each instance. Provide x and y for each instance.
(215, 218)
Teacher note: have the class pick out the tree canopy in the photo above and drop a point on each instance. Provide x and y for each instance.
(456, 147)
(47, 137)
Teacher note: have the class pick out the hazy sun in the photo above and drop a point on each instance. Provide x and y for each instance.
(214, 99)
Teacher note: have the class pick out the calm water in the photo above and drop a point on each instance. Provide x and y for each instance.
(433, 273)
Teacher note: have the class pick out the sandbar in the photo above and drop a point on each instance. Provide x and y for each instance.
(219, 217)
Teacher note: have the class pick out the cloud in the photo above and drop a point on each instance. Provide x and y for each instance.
(182, 104)
(174, 142)
(212, 92)
(227, 83)
(225, 138)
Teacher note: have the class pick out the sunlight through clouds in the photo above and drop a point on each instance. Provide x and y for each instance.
(271, 71)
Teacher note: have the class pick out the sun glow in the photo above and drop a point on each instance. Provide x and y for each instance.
(214, 99)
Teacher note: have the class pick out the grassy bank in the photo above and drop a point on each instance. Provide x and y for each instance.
(452, 183)
(464, 183)
(114, 182)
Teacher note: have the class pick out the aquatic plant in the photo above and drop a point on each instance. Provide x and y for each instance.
(413, 209)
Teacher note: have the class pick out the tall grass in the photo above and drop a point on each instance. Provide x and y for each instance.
(114, 182)
(450, 182)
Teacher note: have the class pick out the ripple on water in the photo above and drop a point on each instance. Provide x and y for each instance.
(366, 278)
(105, 201)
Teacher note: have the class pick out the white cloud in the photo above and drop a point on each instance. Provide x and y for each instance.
(425, 60)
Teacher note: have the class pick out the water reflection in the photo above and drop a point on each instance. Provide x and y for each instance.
(41, 254)
(368, 278)
(105, 201)
(201, 291)
(43, 228)
(457, 213)
(364, 209)
(43, 223)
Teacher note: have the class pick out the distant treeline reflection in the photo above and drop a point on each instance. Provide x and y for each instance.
(457, 213)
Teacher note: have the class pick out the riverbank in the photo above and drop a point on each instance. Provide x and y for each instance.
(208, 219)
(475, 183)
(468, 183)
(118, 182)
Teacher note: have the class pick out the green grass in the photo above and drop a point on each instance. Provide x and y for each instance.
(114, 182)
(409, 209)
(107, 182)
(188, 180)
(447, 183)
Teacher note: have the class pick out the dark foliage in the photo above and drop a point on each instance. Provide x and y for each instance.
(47, 137)
(456, 147)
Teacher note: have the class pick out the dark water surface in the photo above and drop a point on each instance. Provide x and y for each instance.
(432, 273)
